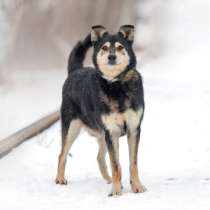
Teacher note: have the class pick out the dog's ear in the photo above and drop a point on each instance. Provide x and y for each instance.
(97, 32)
(127, 31)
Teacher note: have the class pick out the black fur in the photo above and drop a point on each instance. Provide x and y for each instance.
(87, 95)
(77, 55)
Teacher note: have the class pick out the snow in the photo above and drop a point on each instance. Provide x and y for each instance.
(174, 150)
(28, 96)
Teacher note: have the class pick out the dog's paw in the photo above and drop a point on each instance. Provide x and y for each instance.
(61, 180)
(116, 190)
(138, 188)
(115, 193)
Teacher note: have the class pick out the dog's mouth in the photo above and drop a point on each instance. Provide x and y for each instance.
(112, 64)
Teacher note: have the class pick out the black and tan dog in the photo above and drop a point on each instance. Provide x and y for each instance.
(108, 100)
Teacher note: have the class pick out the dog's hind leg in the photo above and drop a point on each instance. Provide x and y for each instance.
(101, 158)
(68, 138)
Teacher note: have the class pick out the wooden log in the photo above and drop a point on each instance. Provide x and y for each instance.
(7, 144)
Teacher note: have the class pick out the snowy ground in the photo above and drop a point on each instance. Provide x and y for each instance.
(28, 96)
(174, 151)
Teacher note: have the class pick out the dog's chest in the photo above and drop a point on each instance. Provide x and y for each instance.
(116, 100)
(119, 122)
(119, 115)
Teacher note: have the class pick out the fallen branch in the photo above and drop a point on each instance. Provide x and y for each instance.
(9, 143)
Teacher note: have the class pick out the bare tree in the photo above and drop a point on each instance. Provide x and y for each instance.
(10, 16)
(39, 34)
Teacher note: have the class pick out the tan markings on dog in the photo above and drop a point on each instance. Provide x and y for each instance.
(115, 165)
(136, 185)
(119, 48)
(105, 48)
(134, 173)
(113, 122)
(132, 146)
(132, 122)
(133, 118)
(74, 129)
(116, 174)
(116, 179)
(121, 53)
(112, 71)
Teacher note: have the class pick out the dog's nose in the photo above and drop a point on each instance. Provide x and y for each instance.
(112, 57)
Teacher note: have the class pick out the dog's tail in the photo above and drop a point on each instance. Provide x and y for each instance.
(78, 53)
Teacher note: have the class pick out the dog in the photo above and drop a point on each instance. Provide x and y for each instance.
(108, 100)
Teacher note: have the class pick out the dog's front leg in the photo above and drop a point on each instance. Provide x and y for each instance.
(113, 149)
(133, 144)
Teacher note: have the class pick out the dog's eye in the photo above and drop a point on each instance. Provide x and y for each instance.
(119, 48)
(105, 48)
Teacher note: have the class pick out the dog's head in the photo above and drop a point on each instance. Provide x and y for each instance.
(113, 54)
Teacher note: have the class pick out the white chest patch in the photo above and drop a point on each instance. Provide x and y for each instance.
(115, 121)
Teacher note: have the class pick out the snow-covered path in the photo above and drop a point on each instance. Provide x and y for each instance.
(174, 150)
(174, 169)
